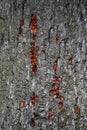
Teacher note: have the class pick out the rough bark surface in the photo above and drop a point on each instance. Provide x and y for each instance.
(68, 19)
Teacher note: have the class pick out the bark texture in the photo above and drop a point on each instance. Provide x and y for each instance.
(61, 32)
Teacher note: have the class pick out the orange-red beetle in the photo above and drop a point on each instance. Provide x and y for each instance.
(50, 114)
(55, 66)
(32, 48)
(57, 95)
(31, 26)
(36, 98)
(61, 98)
(70, 61)
(30, 53)
(51, 93)
(60, 105)
(42, 51)
(53, 87)
(36, 48)
(56, 86)
(21, 103)
(77, 110)
(35, 30)
(22, 22)
(20, 29)
(59, 79)
(58, 90)
(33, 36)
(55, 79)
(32, 44)
(33, 16)
(57, 39)
(32, 100)
(18, 35)
(74, 68)
(32, 122)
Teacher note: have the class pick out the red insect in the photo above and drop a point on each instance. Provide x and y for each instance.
(21, 103)
(33, 25)
(33, 36)
(74, 68)
(60, 105)
(61, 98)
(22, 22)
(57, 39)
(36, 49)
(33, 16)
(30, 53)
(55, 68)
(55, 65)
(20, 29)
(34, 68)
(59, 79)
(42, 51)
(32, 44)
(58, 90)
(51, 93)
(53, 87)
(18, 35)
(35, 29)
(32, 122)
(55, 79)
(50, 114)
(33, 48)
(33, 55)
(57, 95)
(77, 110)
(70, 61)
(34, 62)
(34, 98)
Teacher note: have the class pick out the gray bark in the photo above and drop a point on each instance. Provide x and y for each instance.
(67, 18)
